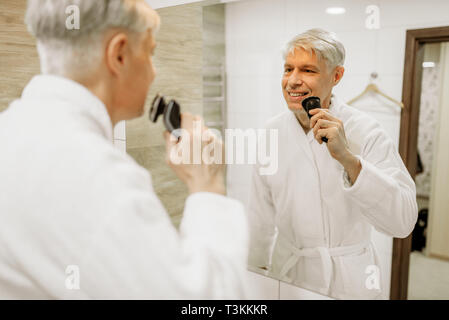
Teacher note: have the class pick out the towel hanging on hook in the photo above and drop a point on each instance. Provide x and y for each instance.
(371, 87)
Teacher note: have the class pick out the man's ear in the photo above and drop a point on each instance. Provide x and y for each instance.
(116, 53)
(339, 72)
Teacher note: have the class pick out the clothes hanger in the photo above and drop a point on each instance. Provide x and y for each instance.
(373, 88)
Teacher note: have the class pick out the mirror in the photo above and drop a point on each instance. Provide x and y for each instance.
(429, 256)
(223, 59)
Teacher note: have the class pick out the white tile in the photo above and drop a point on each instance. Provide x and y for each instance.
(121, 145)
(302, 15)
(260, 95)
(252, 60)
(414, 13)
(360, 49)
(243, 120)
(289, 292)
(262, 18)
(253, 42)
(390, 52)
(261, 287)
(120, 130)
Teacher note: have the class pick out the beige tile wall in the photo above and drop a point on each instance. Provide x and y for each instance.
(18, 55)
(177, 60)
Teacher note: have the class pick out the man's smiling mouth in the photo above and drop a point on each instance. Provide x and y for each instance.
(297, 94)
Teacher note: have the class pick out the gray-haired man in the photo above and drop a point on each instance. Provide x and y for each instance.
(326, 197)
(79, 219)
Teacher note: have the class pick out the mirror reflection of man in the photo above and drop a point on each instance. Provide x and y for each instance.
(311, 221)
(71, 202)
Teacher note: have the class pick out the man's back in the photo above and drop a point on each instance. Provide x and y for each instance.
(69, 199)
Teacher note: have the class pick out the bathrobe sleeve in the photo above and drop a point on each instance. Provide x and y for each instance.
(384, 191)
(136, 252)
(261, 214)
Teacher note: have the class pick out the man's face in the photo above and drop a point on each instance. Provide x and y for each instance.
(304, 76)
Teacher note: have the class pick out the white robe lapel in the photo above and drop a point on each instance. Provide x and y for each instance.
(296, 133)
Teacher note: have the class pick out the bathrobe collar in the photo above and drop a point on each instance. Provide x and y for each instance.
(56, 88)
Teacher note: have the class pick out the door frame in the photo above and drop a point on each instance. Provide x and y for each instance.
(408, 139)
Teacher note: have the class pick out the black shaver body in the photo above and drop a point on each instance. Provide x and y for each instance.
(312, 103)
(171, 112)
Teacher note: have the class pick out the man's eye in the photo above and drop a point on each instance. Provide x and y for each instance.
(287, 70)
(309, 71)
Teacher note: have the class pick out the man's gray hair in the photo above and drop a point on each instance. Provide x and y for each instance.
(323, 43)
(66, 51)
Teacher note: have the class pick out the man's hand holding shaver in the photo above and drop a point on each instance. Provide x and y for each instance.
(197, 170)
(324, 124)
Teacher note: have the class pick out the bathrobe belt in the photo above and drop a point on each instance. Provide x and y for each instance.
(323, 252)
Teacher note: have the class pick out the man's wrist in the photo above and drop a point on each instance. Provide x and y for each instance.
(347, 160)
(216, 186)
(352, 166)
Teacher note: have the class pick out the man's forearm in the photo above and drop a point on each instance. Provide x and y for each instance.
(215, 185)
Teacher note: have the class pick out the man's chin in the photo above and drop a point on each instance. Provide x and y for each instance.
(296, 108)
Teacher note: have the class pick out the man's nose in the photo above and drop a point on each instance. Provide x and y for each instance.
(295, 79)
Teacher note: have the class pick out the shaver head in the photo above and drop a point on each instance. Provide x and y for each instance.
(157, 107)
(311, 103)
(171, 112)
(172, 116)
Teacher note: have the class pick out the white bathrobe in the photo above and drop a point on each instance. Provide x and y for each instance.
(310, 227)
(75, 210)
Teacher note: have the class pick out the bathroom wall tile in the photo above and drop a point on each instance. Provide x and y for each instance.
(391, 51)
(303, 15)
(360, 49)
(261, 95)
(19, 61)
(416, 13)
(255, 58)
